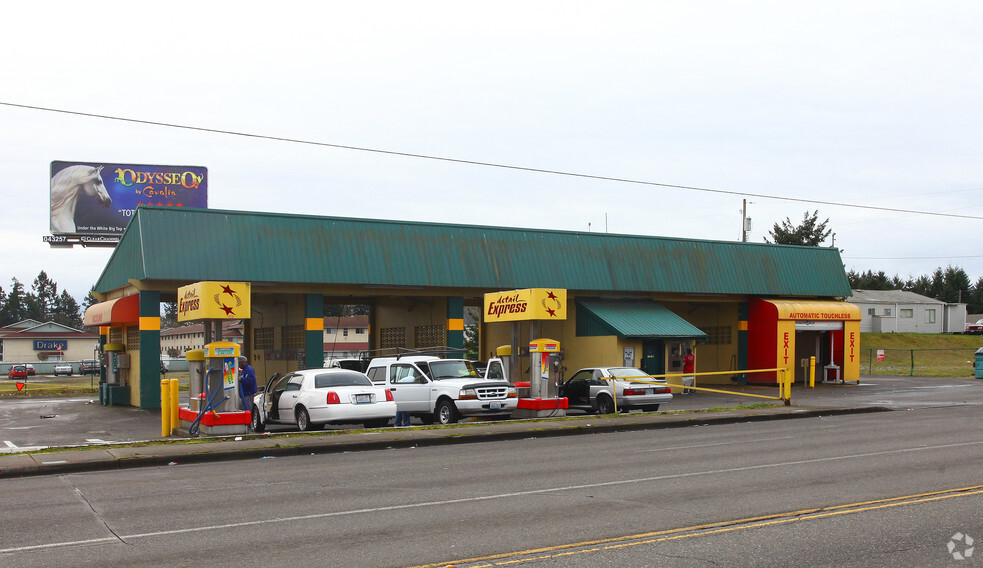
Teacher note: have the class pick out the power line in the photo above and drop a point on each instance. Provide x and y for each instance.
(485, 164)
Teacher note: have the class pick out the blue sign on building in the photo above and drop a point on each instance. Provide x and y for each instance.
(50, 344)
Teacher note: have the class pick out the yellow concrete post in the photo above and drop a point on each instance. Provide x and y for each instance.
(812, 372)
(787, 377)
(175, 421)
(165, 408)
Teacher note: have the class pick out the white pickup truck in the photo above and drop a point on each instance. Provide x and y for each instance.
(442, 390)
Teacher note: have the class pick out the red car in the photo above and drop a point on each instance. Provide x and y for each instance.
(17, 372)
(975, 328)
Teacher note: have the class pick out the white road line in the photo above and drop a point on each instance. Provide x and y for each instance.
(481, 498)
(9, 444)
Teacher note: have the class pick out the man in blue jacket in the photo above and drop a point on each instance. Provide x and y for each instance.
(247, 382)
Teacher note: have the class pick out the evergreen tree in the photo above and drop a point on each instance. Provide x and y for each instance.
(168, 317)
(18, 306)
(975, 300)
(810, 233)
(954, 285)
(46, 293)
(67, 311)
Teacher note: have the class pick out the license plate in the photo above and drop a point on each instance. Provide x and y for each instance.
(363, 398)
(495, 405)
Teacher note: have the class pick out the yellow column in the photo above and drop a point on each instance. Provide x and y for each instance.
(165, 408)
(175, 398)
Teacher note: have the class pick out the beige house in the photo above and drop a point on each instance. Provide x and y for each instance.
(31, 341)
(177, 341)
(345, 336)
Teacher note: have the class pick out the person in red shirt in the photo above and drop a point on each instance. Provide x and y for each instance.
(689, 367)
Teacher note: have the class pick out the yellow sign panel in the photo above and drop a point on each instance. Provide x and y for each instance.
(528, 304)
(213, 300)
(816, 311)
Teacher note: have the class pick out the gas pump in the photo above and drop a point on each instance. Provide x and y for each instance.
(215, 404)
(545, 359)
(221, 381)
(196, 378)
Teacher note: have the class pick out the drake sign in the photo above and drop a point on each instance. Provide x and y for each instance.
(527, 304)
(213, 300)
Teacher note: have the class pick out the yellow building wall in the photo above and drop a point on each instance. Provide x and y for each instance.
(408, 313)
(275, 334)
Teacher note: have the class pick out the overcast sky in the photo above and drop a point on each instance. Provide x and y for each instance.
(875, 104)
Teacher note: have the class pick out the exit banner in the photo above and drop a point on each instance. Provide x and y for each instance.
(528, 304)
(213, 300)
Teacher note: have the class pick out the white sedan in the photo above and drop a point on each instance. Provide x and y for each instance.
(312, 398)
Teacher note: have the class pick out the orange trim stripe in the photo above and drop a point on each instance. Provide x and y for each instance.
(150, 323)
(315, 324)
(455, 324)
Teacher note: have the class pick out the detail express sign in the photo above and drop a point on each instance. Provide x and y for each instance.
(528, 304)
(98, 199)
(214, 300)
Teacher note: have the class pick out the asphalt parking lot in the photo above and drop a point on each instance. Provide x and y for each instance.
(77, 421)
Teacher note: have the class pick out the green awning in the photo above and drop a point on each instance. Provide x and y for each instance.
(631, 318)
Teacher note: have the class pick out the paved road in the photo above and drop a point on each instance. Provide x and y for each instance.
(876, 489)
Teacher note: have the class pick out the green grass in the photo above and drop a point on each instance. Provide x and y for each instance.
(926, 355)
(47, 387)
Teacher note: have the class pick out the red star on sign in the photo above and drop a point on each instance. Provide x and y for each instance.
(227, 310)
(551, 295)
(228, 290)
(552, 313)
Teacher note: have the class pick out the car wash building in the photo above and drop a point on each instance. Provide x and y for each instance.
(628, 300)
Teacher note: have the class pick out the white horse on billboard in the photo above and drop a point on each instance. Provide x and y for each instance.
(65, 188)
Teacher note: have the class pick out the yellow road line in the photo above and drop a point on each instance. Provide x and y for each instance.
(721, 527)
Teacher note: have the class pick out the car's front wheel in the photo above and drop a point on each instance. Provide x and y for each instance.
(445, 413)
(256, 423)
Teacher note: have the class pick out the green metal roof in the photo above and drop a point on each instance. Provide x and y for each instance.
(189, 245)
(631, 318)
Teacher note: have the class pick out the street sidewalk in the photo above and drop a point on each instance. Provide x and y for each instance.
(702, 408)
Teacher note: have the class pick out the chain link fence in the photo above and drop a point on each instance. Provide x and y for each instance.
(953, 362)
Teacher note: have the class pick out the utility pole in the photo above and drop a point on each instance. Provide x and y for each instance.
(745, 222)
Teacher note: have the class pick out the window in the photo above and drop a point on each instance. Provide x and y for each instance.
(871, 311)
(345, 333)
(906, 313)
(929, 316)
(359, 331)
(718, 335)
(887, 311)
(329, 330)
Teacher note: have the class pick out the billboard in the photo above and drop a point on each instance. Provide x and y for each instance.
(91, 203)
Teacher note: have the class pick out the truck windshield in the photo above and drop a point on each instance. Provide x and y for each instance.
(452, 369)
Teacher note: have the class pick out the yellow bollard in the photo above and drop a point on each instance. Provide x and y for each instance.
(165, 408)
(812, 372)
(175, 421)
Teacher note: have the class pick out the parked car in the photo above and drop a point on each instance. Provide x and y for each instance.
(311, 398)
(89, 367)
(442, 390)
(30, 369)
(17, 372)
(63, 369)
(163, 368)
(591, 390)
(975, 328)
